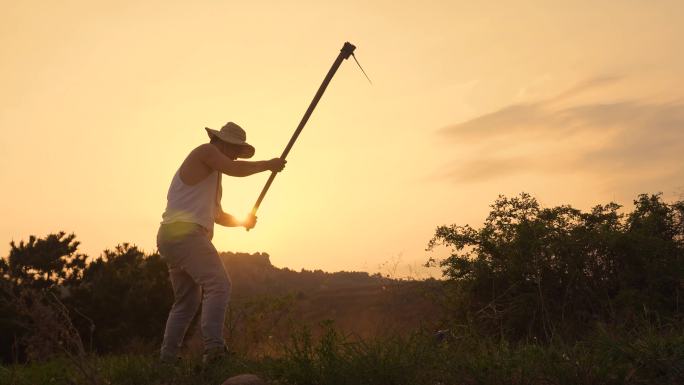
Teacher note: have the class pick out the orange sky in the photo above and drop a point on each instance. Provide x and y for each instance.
(576, 102)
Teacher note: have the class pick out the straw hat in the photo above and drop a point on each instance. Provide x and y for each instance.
(233, 134)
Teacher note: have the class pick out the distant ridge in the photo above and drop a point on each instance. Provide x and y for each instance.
(253, 274)
(359, 303)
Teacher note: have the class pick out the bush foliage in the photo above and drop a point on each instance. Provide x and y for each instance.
(532, 272)
(109, 298)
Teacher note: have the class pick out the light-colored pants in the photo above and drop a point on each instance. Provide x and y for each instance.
(197, 275)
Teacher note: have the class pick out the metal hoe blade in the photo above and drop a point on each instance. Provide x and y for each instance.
(364, 72)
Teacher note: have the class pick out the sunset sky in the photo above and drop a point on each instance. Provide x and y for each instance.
(575, 102)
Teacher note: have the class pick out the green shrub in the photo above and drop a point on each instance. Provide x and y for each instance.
(547, 273)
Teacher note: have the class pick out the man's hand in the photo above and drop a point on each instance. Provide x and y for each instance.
(276, 164)
(250, 222)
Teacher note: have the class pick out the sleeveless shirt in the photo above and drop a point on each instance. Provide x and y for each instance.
(198, 203)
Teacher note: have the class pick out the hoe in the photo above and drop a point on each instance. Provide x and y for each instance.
(346, 51)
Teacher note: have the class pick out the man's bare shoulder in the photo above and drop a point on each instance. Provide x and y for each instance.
(208, 156)
(204, 150)
(195, 167)
(203, 153)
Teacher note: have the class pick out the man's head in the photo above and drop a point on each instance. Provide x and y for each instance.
(232, 151)
(231, 141)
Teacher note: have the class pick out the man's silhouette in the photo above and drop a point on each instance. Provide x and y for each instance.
(184, 238)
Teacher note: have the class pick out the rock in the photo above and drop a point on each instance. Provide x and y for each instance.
(244, 379)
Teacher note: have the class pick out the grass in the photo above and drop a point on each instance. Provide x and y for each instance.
(649, 356)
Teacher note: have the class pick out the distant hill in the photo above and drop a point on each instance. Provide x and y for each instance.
(268, 303)
(253, 274)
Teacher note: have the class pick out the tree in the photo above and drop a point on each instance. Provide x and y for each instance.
(122, 296)
(127, 295)
(533, 272)
(43, 263)
(50, 264)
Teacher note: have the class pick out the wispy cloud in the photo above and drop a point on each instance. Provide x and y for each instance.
(623, 137)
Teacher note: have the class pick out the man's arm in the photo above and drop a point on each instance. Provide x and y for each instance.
(225, 219)
(214, 159)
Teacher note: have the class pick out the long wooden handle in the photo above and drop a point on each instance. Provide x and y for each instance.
(345, 52)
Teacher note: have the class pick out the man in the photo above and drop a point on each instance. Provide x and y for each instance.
(184, 238)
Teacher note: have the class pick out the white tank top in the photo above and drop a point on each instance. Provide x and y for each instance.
(198, 203)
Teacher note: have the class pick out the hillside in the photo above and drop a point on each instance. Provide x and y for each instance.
(253, 274)
(269, 303)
